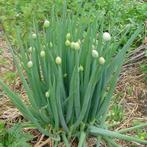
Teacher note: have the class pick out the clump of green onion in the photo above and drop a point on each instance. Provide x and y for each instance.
(71, 82)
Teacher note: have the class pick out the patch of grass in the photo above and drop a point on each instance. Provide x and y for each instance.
(116, 114)
(9, 76)
(14, 136)
(140, 133)
(3, 61)
(1, 50)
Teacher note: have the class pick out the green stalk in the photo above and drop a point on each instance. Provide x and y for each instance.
(132, 128)
(77, 105)
(111, 142)
(71, 96)
(82, 139)
(59, 97)
(98, 131)
(67, 144)
(54, 105)
(97, 95)
(26, 86)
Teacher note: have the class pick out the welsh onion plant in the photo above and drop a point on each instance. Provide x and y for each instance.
(69, 72)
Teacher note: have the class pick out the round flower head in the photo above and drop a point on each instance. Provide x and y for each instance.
(68, 36)
(34, 36)
(76, 45)
(30, 49)
(106, 36)
(18, 14)
(67, 43)
(58, 60)
(42, 53)
(46, 23)
(72, 44)
(65, 75)
(47, 94)
(81, 68)
(101, 60)
(30, 64)
(95, 53)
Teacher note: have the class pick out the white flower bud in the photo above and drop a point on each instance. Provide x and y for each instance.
(58, 60)
(30, 49)
(30, 64)
(67, 43)
(47, 94)
(34, 36)
(77, 45)
(65, 75)
(46, 23)
(81, 68)
(72, 45)
(68, 36)
(101, 60)
(95, 53)
(18, 14)
(106, 36)
(51, 44)
(113, 113)
(42, 53)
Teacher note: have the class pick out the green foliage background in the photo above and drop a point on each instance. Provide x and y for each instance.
(14, 136)
(118, 13)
